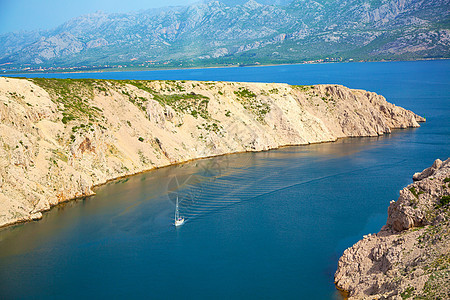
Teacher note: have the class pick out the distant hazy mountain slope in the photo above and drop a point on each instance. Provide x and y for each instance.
(216, 33)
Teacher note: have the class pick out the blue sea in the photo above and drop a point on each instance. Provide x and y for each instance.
(268, 225)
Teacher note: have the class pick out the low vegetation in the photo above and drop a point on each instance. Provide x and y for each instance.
(415, 193)
(303, 88)
(72, 97)
(190, 103)
(251, 102)
(444, 200)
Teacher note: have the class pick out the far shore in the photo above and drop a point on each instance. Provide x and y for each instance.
(142, 69)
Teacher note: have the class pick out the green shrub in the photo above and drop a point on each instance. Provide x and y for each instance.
(250, 102)
(303, 88)
(274, 91)
(415, 193)
(244, 93)
(444, 200)
(407, 293)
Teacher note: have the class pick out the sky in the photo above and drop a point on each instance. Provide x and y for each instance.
(18, 15)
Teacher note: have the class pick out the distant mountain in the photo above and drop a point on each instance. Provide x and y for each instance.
(240, 2)
(216, 33)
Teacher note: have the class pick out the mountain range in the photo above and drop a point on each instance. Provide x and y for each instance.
(237, 33)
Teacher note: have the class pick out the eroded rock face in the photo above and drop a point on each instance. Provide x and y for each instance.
(410, 256)
(59, 138)
(428, 171)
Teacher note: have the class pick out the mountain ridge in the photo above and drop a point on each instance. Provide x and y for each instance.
(214, 33)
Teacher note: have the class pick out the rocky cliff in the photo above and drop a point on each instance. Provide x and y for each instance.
(410, 256)
(59, 138)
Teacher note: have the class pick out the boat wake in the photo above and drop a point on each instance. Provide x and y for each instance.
(201, 194)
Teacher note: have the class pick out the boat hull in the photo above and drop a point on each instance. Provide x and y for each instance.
(179, 222)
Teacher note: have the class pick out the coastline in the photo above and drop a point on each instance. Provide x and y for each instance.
(161, 167)
(117, 70)
(169, 165)
(4, 226)
(61, 151)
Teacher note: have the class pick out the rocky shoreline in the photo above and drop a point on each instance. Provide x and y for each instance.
(410, 256)
(61, 137)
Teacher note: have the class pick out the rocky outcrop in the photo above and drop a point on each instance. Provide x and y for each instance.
(59, 138)
(428, 171)
(410, 256)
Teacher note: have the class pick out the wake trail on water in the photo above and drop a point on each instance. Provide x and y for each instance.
(213, 195)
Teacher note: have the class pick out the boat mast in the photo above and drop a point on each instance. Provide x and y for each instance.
(177, 214)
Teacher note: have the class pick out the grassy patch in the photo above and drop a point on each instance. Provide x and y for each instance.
(83, 128)
(244, 93)
(191, 103)
(72, 96)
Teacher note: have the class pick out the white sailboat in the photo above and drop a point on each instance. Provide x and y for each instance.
(178, 220)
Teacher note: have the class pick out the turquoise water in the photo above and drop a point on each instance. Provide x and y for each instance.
(259, 225)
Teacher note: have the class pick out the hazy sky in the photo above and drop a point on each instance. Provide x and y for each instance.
(44, 14)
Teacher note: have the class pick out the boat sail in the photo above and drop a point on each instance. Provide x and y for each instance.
(178, 220)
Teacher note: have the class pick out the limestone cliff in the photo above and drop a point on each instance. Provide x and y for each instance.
(410, 256)
(59, 138)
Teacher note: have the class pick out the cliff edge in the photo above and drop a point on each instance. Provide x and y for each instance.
(61, 137)
(410, 256)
